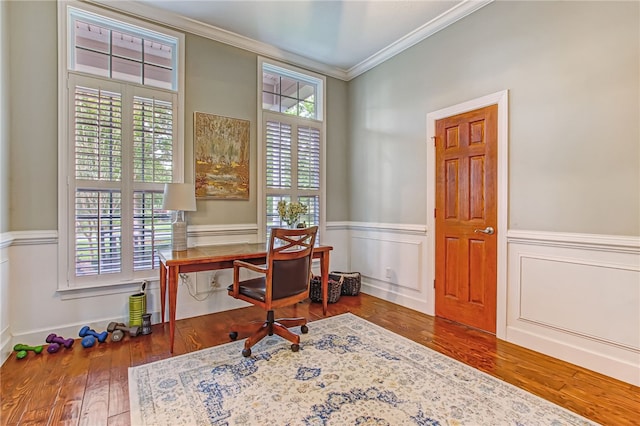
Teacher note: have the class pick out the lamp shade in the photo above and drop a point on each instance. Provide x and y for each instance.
(179, 196)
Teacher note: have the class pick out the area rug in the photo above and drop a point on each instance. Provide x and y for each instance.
(348, 372)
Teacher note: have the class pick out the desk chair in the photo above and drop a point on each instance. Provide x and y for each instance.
(285, 281)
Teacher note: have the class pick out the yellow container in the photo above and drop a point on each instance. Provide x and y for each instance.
(137, 308)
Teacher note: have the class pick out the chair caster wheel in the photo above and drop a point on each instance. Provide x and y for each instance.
(304, 329)
(295, 348)
(246, 353)
(233, 335)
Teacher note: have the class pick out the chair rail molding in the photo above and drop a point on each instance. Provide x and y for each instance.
(389, 227)
(24, 238)
(616, 243)
(222, 230)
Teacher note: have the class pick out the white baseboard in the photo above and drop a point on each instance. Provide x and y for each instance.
(6, 346)
(390, 295)
(37, 337)
(626, 370)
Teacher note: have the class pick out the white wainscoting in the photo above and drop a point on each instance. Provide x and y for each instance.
(29, 273)
(577, 298)
(393, 261)
(574, 297)
(5, 296)
(337, 236)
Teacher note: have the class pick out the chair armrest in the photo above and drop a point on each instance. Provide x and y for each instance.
(237, 264)
(256, 268)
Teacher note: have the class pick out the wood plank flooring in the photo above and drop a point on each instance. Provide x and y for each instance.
(89, 386)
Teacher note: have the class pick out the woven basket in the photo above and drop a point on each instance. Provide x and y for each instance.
(333, 293)
(351, 282)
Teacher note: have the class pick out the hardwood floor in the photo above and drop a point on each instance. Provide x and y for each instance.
(89, 386)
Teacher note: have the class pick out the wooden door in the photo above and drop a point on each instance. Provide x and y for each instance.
(466, 218)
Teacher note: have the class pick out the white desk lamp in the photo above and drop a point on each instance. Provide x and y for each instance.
(179, 197)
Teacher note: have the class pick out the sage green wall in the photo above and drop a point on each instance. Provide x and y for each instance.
(223, 80)
(337, 151)
(33, 127)
(4, 118)
(219, 79)
(572, 69)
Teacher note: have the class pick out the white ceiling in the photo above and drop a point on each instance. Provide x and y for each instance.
(342, 38)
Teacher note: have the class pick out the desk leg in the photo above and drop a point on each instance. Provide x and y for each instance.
(163, 290)
(173, 295)
(324, 273)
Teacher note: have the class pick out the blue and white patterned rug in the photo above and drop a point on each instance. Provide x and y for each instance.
(348, 372)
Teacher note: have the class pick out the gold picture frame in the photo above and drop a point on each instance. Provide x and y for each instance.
(221, 151)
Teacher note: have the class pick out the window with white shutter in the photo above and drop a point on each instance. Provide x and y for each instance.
(278, 144)
(292, 142)
(308, 157)
(122, 145)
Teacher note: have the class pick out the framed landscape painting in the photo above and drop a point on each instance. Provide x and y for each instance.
(221, 150)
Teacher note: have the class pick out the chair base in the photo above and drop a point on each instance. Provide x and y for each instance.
(271, 326)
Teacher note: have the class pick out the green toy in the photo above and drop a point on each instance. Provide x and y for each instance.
(22, 350)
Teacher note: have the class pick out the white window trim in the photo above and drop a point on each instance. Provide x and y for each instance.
(64, 261)
(262, 188)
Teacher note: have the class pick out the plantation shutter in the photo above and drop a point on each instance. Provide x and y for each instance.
(278, 144)
(308, 158)
(98, 173)
(123, 155)
(309, 171)
(152, 140)
(152, 163)
(151, 228)
(292, 168)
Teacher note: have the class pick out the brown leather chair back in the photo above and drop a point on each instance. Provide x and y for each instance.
(290, 254)
(290, 277)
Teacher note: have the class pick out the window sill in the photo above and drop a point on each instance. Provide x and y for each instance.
(106, 289)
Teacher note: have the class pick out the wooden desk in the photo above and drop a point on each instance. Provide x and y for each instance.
(208, 258)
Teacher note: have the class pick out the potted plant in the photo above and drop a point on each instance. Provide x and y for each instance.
(291, 212)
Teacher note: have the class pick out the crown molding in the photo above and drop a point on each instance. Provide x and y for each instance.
(438, 23)
(193, 26)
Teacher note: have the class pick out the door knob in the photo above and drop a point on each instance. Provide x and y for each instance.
(488, 230)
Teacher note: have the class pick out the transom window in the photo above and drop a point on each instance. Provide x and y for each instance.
(291, 92)
(112, 49)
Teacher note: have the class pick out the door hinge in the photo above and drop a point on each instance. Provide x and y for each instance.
(435, 140)
(435, 213)
(434, 283)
